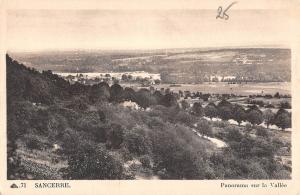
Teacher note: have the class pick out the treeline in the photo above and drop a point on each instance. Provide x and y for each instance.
(225, 110)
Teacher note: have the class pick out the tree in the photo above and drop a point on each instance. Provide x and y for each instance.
(254, 117)
(268, 116)
(210, 111)
(99, 92)
(285, 105)
(238, 113)
(282, 119)
(129, 77)
(77, 89)
(225, 112)
(129, 94)
(187, 94)
(157, 81)
(158, 96)
(124, 77)
(116, 93)
(277, 95)
(184, 104)
(205, 97)
(144, 98)
(197, 109)
(115, 80)
(224, 103)
(180, 93)
(168, 91)
(169, 100)
(212, 104)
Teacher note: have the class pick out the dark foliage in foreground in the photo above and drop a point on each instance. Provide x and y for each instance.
(99, 139)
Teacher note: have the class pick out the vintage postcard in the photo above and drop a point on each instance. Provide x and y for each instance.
(149, 97)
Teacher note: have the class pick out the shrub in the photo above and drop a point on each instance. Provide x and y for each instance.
(256, 171)
(115, 136)
(184, 104)
(185, 118)
(285, 105)
(225, 112)
(146, 161)
(224, 103)
(204, 128)
(197, 109)
(269, 106)
(33, 142)
(281, 174)
(260, 131)
(93, 162)
(88, 121)
(15, 168)
(40, 120)
(257, 102)
(262, 148)
(248, 128)
(233, 134)
(243, 148)
(78, 103)
(137, 141)
(178, 157)
(221, 124)
(70, 140)
(277, 143)
(100, 133)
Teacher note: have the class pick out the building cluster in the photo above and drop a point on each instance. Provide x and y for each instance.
(141, 77)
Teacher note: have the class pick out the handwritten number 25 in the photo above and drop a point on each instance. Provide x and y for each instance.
(222, 14)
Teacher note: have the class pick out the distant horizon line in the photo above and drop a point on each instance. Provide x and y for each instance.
(148, 49)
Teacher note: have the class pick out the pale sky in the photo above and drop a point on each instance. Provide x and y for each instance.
(29, 30)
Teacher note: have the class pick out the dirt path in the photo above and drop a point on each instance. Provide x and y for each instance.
(219, 143)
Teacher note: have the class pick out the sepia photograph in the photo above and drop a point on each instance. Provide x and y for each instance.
(148, 94)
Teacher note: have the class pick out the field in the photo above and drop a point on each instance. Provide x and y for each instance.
(175, 66)
(237, 89)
